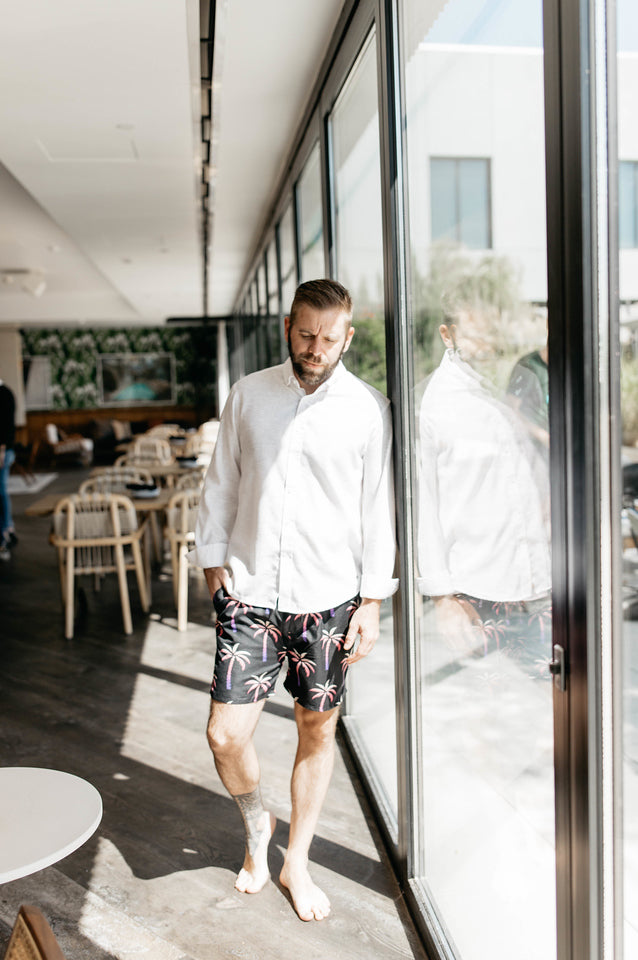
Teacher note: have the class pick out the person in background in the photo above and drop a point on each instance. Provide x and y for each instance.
(528, 394)
(296, 537)
(7, 456)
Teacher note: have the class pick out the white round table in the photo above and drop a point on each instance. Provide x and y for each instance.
(44, 816)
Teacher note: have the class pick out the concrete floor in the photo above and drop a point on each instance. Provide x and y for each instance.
(128, 714)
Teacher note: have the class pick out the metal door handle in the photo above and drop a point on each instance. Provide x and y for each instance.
(557, 667)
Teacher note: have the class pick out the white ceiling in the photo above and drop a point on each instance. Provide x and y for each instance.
(100, 151)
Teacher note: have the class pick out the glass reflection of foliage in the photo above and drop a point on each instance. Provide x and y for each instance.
(629, 395)
(489, 288)
(366, 356)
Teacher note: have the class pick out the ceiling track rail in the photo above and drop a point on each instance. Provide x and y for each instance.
(206, 46)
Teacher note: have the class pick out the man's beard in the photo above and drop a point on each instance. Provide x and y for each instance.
(312, 378)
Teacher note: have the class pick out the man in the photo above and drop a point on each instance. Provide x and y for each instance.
(296, 536)
(7, 456)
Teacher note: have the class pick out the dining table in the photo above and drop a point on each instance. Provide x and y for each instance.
(45, 505)
(44, 816)
(164, 471)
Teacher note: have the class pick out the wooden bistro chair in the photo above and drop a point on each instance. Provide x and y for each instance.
(165, 430)
(193, 480)
(114, 480)
(32, 938)
(98, 534)
(181, 515)
(149, 449)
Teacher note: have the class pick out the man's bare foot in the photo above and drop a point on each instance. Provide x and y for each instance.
(255, 873)
(309, 901)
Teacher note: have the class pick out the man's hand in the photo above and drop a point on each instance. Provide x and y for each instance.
(459, 624)
(364, 626)
(217, 579)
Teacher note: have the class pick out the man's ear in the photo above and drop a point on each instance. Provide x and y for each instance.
(349, 336)
(286, 326)
(447, 335)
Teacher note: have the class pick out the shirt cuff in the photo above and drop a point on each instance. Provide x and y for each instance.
(209, 555)
(377, 588)
(429, 587)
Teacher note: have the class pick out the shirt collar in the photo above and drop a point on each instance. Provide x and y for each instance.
(289, 378)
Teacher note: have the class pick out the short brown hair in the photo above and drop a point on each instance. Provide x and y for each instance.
(321, 294)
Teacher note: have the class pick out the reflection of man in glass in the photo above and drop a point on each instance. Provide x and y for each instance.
(483, 542)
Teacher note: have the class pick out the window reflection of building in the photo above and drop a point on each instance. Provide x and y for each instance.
(460, 201)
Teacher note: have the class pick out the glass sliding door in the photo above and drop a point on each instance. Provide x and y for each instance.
(477, 309)
(354, 130)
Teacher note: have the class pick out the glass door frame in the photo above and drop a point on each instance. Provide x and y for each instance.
(585, 466)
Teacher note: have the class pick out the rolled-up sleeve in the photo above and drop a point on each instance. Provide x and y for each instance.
(378, 513)
(218, 503)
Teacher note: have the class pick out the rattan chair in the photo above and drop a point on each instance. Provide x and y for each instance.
(98, 534)
(114, 480)
(193, 480)
(150, 450)
(165, 430)
(32, 937)
(181, 515)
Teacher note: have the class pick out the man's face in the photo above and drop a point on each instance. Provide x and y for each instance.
(468, 337)
(316, 341)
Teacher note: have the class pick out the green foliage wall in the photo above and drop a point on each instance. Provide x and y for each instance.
(73, 357)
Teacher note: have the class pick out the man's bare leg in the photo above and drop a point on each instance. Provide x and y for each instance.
(230, 737)
(310, 779)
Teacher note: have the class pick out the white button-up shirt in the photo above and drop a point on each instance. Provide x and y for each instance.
(298, 499)
(483, 493)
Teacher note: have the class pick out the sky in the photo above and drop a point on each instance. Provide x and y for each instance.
(514, 23)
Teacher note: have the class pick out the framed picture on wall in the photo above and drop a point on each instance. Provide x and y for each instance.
(129, 378)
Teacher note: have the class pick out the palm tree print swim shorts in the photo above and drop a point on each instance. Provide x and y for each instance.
(254, 642)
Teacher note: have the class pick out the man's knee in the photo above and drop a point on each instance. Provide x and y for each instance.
(230, 727)
(315, 727)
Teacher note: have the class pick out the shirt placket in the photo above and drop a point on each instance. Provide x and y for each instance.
(292, 493)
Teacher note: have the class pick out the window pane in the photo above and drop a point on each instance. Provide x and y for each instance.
(627, 204)
(288, 259)
(444, 197)
(473, 77)
(359, 243)
(310, 212)
(261, 289)
(355, 137)
(271, 265)
(474, 212)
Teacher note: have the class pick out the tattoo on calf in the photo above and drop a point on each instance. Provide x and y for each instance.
(251, 808)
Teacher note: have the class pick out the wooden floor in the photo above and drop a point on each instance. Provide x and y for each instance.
(128, 714)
